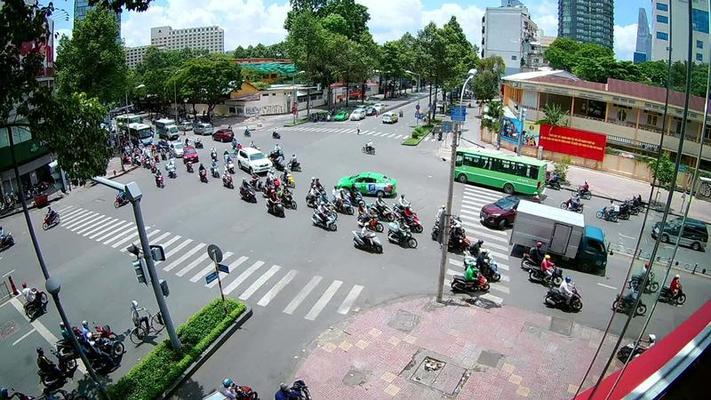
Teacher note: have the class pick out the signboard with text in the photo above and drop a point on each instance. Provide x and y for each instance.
(574, 142)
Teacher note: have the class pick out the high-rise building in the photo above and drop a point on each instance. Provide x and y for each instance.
(670, 24)
(508, 32)
(643, 48)
(82, 7)
(134, 55)
(590, 21)
(210, 38)
(511, 3)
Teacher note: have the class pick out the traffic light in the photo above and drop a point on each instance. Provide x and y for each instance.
(140, 268)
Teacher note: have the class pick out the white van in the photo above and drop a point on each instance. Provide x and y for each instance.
(253, 160)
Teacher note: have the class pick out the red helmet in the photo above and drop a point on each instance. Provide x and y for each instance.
(539, 244)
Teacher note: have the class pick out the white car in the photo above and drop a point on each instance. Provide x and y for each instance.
(176, 149)
(389, 117)
(186, 126)
(358, 114)
(203, 128)
(253, 160)
(379, 107)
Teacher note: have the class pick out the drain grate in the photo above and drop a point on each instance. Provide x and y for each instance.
(561, 325)
(356, 377)
(404, 321)
(441, 375)
(489, 358)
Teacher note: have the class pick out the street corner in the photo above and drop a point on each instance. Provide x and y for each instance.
(416, 348)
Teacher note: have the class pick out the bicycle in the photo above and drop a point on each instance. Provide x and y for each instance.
(144, 325)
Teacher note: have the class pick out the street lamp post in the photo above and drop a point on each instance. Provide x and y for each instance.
(446, 218)
(294, 102)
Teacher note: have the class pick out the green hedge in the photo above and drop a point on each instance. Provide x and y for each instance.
(298, 122)
(417, 135)
(163, 366)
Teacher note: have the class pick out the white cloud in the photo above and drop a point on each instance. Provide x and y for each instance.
(545, 15)
(625, 41)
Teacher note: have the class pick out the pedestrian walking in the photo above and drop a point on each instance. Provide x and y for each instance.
(358, 128)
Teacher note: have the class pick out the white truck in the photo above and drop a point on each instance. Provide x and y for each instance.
(167, 129)
(564, 234)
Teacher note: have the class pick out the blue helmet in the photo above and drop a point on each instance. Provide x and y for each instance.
(568, 279)
(4, 392)
(227, 382)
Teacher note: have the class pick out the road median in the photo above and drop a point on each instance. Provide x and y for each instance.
(418, 135)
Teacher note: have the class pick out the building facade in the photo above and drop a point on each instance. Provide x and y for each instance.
(589, 21)
(210, 38)
(670, 22)
(134, 55)
(508, 32)
(82, 7)
(643, 47)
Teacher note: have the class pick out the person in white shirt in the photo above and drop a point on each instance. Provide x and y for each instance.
(566, 289)
(29, 294)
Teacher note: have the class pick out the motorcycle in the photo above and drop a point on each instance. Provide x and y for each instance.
(651, 287)
(38, 307)
(203, 176)
(231, 167)
(311, 201)
(276, 208)
(198, 144)
(65, 370)
(624, 353)
(50, 220)
(384, 213)
(370, 244)
(555, 298)
(159, 181)
(120, 200)
(666, 296)
(536, 275)
(490, 269)
(371, 224)
(624, 305)
(245, 393)
(625, 211)
(213, 155)
(401, 236)
(584, 193)
(295, 166)
(214, 172)
(570, 206)
(458, 243)
(553, 184)
(227, 181)
(172, 174)
(300, 387)
(368, 150)
(344, 206)
(154, 168)
(289, 180)
(459, 284)
(329, 224)
(247, 133)
(287, 198)
(528, 263)
(248, 194)
(189, 167)
(276, 135)
(606, 214)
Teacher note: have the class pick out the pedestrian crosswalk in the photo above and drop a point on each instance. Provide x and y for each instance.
(249, 279)
(495, 241)
(363, 132)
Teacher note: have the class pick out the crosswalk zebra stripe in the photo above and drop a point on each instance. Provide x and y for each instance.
(193, 264)
(68, 218)
(208, 268)
(350, 299)
(474, 203)
(101, 229)
(65, 209)
(70, 213)
(133, 236)
(231, 268)
(398, 137)
(269, 296)
(184, 256)
(485, 195)
(489, 245)
(325, 298)
(76, 221)
(95, 225)
(177, 249)
(475, 223)
(171, 241)
(305, 291)
(78, 225)
(158, 239)
(470, 212)
(242, 277)
(259, 282)
(470, 207)
(126, 225)
(129, 229)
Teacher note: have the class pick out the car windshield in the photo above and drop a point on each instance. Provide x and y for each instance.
(189, 150)
(256, 156)
(177, 145)
(506, 203)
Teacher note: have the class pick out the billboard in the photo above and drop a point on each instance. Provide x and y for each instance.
(513, 127)
(574, 142)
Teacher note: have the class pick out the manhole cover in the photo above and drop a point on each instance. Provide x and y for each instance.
(356, 377)
(404, 321)
(7, 329)
(561, 325)
(440, 375)
(489, 358)
(531, 328)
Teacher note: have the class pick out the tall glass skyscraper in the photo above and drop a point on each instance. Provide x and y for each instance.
(643, 47)
(590, 21)
(81, 7)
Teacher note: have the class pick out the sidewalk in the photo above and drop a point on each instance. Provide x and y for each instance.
(418, 349)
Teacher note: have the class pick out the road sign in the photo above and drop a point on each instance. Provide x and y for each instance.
(214, 252)
(459, 113)
(447, 126)
(210, 277)
(223, 268)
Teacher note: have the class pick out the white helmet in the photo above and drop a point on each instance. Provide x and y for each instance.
(677, 276)
(134, 303)
(652, 337)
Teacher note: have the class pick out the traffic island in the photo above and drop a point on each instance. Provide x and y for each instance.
(164, 369)
(418, 134)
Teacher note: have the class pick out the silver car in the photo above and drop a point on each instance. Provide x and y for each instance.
(203, 128)
(176, 149)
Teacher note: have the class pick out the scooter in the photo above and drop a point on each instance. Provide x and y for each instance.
(247, 133)
(231, 167)
(159, 181)
(371, 224)
(203, 175)
(214, 172)
(623, 354)
(536, 275)
(401, 236)
(275, 208)
(666, 296)
(227, 181)
(189, 167)
(368, 150)
(38, 307)
(295, 166)
(248, 194)
(198, 144)
(120, 201)
(329, 224)
(570, 206)
(213, 155)
(50, 220)
(344, 206)
(384, 213)
(555, 185)
(583, 193)
(624, 305)
(459, 284)
(65, 370)
(172, 174)
(606, 214)
(555, 298)
(287, 198)
(370, 244)
(276, 135)
(490, 269)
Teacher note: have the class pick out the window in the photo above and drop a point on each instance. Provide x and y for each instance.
(513, 58)
(662, 19)
(651, 120)
(699, 57)
(699, 44)
(622, 115)
(662, 36)
(700, 20)
(662, 7)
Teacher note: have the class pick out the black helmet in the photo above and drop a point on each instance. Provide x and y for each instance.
(40, 351)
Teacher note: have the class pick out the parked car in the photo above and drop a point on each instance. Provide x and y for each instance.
(176, 149)
(203, 128)
(341, 116)
(502, 212)
(186, 126)
(223, 135)
(357, 114)
(370, 110)
(370, 183)
(190, 154)
(389, 117)
(253, 160)
(694, 235)
(379, 107)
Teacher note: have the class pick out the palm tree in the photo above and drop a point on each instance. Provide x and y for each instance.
(553, 116)
(493, 116)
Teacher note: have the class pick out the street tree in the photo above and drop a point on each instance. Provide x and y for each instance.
(486, 82)
(93, 61)
(662, 170)
(493, 116)
(430, 53)
(461, 56)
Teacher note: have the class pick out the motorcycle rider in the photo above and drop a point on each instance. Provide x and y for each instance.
(475, 248)
(470, 272)
(547, 266)
(201, 169)
(675, 286)
(612, 209)
(440, 213)
(234, 143)
(286, 393)
(566, 289)
(403, 203)
(367, 235)
(228, 389)
(573, 202)
(369, 146)
(46, 365)
(293, 162)
(322, 212)
(245, 184)
(226, 156)
(31, 296)
(51, 214)
(213, 166)
(585, 188)
(364, 214)
(158, 176)
(66, 333)
(537, 253)
(482, 259)
(554, 178)
(213, 153)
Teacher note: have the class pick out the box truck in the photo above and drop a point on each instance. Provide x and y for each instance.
(167, 129)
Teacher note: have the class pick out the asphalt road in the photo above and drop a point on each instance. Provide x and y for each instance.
(298, 278)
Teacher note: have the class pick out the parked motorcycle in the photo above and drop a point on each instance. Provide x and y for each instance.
(459, 284)
(624, 305)
(275, 208)
(666, 296)
(372, 243)
(623, 354)
(570, 206)
(536, 275)
(403, 236)
(329, 223)
(555, 298)
(50, 220)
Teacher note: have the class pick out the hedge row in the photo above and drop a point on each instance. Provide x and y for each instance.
(163, 366)
(417, 135)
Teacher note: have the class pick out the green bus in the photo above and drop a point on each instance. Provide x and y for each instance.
(511, 173)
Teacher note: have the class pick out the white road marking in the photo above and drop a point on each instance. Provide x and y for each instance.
(474, 203)
(177, 249)
(117, 234)
(264, 301)
(259, 282)
(231, 267)
(474, 214)
(399, 137)
(80, 214)
(325, 298)
(80, 220)
(171, 241)
(242, 277)
(481, 190)
(626, 236)
(606, 286)
(90, 225)
(130, 230)
(470, 207)
(494, 299)
(296, 301)
(184, 256)
(345, 307)
(103, 227)
(480, 232)
(193, 264)
(208, 268)
(68, 215)
(116, 228)
(8, 273)
(65, 209)
(123, 249)
(129, 238)
(23, 336)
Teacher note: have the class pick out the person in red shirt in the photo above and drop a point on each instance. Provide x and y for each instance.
(547, 265)
(675, 285)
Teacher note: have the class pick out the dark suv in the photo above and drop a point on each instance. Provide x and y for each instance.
(694, 235)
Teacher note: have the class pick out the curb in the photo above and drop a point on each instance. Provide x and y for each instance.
(32, 206)
(247, 314)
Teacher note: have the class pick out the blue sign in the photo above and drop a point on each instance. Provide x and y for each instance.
(447, 126)
(459, 113)
(211, 277)
(223, 268)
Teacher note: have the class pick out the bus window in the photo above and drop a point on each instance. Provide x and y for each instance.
(469, 161)
(458, 160)
(532, 172)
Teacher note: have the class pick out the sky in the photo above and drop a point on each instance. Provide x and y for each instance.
(253, 21)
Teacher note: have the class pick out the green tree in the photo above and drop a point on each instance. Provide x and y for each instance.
(553, 116)
(493, 116)
(562, 53)
(662, 170)
(654, 72)
(485, 84)
(93, 61)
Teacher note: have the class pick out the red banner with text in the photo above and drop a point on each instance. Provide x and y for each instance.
(575, 142)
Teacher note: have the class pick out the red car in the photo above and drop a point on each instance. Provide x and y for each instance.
(223, 135)
(190, 154)
(502, 213)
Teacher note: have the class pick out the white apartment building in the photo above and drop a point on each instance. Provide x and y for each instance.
(508, 32)
(210, 38)
(670, 24)
(134, 55)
